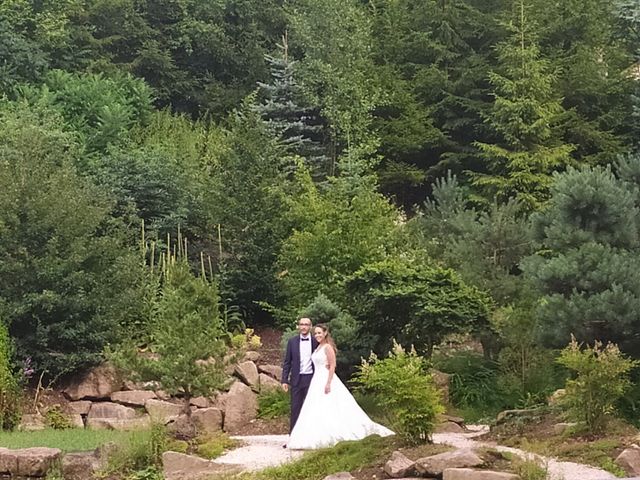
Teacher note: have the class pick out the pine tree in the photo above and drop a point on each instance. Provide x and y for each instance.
(298, 127)
(589, 268)
(524, 116)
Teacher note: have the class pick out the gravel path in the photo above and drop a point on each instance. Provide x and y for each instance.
(261, 451)
(557, 470)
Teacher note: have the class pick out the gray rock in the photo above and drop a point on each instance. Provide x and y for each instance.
(136, 398)
(629, 460)
(399, 465)
(248, 373)
(340, 476)
(81, 407)
(80, 466)
(179, 466)
(98, 383)
(273, 371)
(241, 407)
(436, 464)
(162, 411)
(268, 383)
(28, 462)
(123, 424)
(470, 474)
(208, 420)
(110, 410)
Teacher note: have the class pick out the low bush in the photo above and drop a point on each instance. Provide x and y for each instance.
(405, 390)
(273, 403)
(601, 379)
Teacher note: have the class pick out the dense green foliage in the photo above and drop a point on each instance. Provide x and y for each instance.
(425, 172)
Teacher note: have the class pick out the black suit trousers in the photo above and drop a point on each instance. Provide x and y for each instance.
(298, 394)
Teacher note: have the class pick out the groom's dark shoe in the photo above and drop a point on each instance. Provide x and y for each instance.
(284, 446)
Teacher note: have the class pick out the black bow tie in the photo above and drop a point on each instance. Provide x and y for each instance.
(304, 339)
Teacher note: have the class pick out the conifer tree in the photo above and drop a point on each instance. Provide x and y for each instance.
(298, 126)
(524, 116)
(588, 268)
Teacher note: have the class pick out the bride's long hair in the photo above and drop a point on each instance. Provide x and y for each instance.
(328, 338)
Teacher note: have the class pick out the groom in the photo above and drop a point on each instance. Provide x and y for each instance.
(297, 368)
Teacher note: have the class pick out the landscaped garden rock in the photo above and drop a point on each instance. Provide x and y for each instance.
(629, 460)
(340, 476)
(273, 371)
(180, 466)
(162, 411)
(252, 356)
(268, 383)
(470, 474)
(208, 420)
(241, 406)
(248, 373)
(28, 462)
(81, 407)
(136, 398)
(80, 466)
(98, 383)
(399, 465)
(123, 424)
(200, 402)
(110, 410)
(434, 465)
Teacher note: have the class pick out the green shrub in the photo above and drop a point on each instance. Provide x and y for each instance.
(55, 418)
(9, 388)
(273, 403)
(405, 390)
(213, 446)
(529, 469)
(141, 450)
(601, 381)
(474, 380)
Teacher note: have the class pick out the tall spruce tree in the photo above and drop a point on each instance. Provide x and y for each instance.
(588, 268)
(298, 126)
(525, 117)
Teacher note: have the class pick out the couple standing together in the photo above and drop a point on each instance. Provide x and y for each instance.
(323, 411)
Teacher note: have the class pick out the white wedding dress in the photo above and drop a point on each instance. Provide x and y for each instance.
(328, 418)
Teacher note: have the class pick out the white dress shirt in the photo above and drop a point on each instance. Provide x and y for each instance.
(306, 366)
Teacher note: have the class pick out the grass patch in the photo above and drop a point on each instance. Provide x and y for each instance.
(68, 440)
(317, 464)
(213, 446)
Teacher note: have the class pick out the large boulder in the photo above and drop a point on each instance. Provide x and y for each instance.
(208, 420)
(110, 410)
(252, 356)
(81, 407)
(200, 402)
(399, 465)
(162, 411)
(248, 373)
(273, 371)
(629, 460)
(28, 462)
(434, 465)
(80, 466)
(241, 407)
(136, 398)
(180, 466)
(123, 424)
(269, 383)
(449, 427)
(98, 383)
(525, 414)
(470, 474)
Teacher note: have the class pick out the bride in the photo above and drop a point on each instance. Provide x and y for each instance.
(329, 414)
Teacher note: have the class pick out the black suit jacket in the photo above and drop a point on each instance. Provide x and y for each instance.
(291, 363)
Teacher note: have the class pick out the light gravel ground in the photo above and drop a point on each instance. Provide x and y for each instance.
(260, 451)
(263, 451)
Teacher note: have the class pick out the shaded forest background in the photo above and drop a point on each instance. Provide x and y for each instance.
(403, 169)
